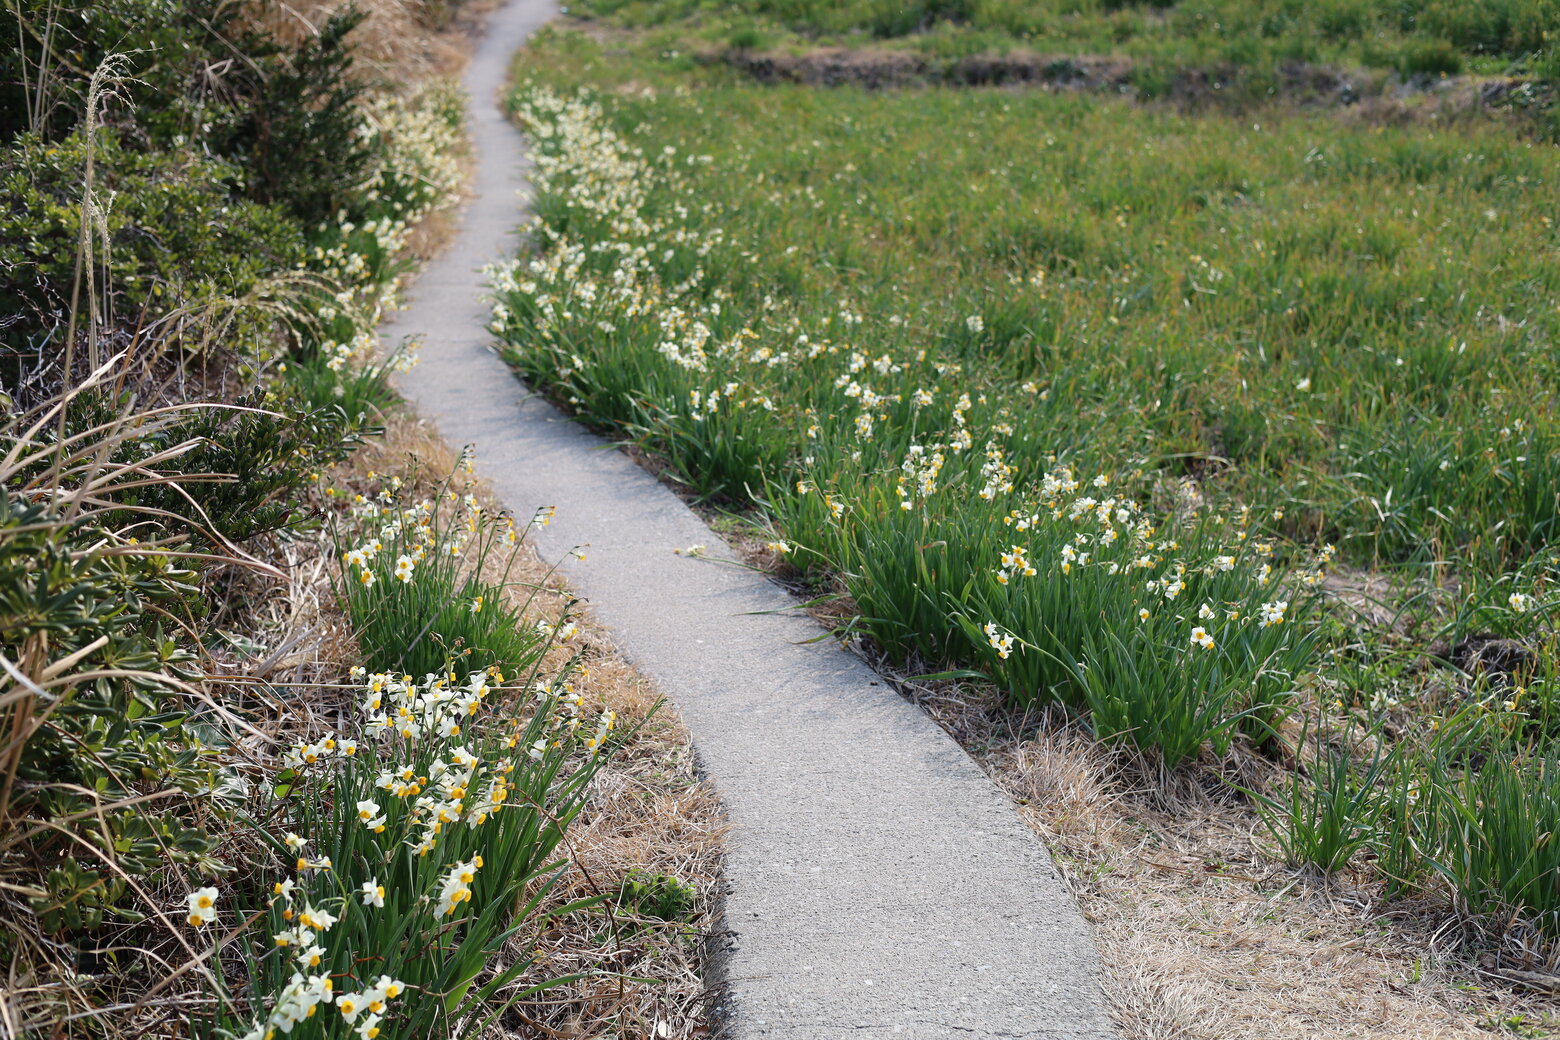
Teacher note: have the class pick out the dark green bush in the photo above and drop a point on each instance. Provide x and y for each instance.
(106, 777)
(63, 42)
(245, 474)
(899, 17)
(112, 730)
(746, 38)
(175, 233)
(271, 456)
(295, 124)
(196, 75)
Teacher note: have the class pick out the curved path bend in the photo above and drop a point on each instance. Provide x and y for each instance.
(877, 883)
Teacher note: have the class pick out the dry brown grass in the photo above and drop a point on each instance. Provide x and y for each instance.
(401, 41)
(1202, 932)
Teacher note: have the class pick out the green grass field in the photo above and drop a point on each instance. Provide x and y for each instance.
(1407, 37)
(1355, 325)
(1093, 399)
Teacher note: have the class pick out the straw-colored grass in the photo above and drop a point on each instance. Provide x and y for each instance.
(1202, 933)
(401, 41)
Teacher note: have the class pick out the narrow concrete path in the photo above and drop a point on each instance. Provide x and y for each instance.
(877, 883)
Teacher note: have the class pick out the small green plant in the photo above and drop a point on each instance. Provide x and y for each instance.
(746, 38)
(1331, 807)
(1487, 829)
(360, 392)
(415, 580)
(664, 897)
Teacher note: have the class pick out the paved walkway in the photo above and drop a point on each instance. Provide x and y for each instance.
(877, 883)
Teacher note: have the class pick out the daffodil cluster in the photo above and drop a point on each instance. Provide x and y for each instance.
(438, 763)
(411, 526)
(417, 143)
(916, 479)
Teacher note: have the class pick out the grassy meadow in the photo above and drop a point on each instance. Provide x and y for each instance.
(1226, 436)
(1248, 45)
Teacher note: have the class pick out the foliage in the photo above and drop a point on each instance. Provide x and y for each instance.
(53, 48)
(664, 897)
(173, 233)
(1066, 397)
(1487, 828)
(416, 582)
(200, 76)
(1174, 631)
(241, 469)
(295, 122)
(1469, 807)
(417, 848)
(359, 391)
(1208, 301)
(98, 679)
(1411, 36)
(1333, 809)
(151, 250)
(114, 510)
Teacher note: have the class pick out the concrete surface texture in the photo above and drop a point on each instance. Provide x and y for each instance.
(877, 883)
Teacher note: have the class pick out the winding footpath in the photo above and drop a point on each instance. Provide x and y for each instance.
(877, 883)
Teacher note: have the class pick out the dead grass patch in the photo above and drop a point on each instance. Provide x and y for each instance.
(401, 41)
(1203, 934)
(1368, 97)
(1371, 98)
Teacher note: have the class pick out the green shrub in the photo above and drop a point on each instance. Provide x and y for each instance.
(111, 512)
(220, 471)
(174, 234)
(891, 18)
(746, 38)
(295, 122)
(268, 451)
(53, 46)
(1495, 826)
